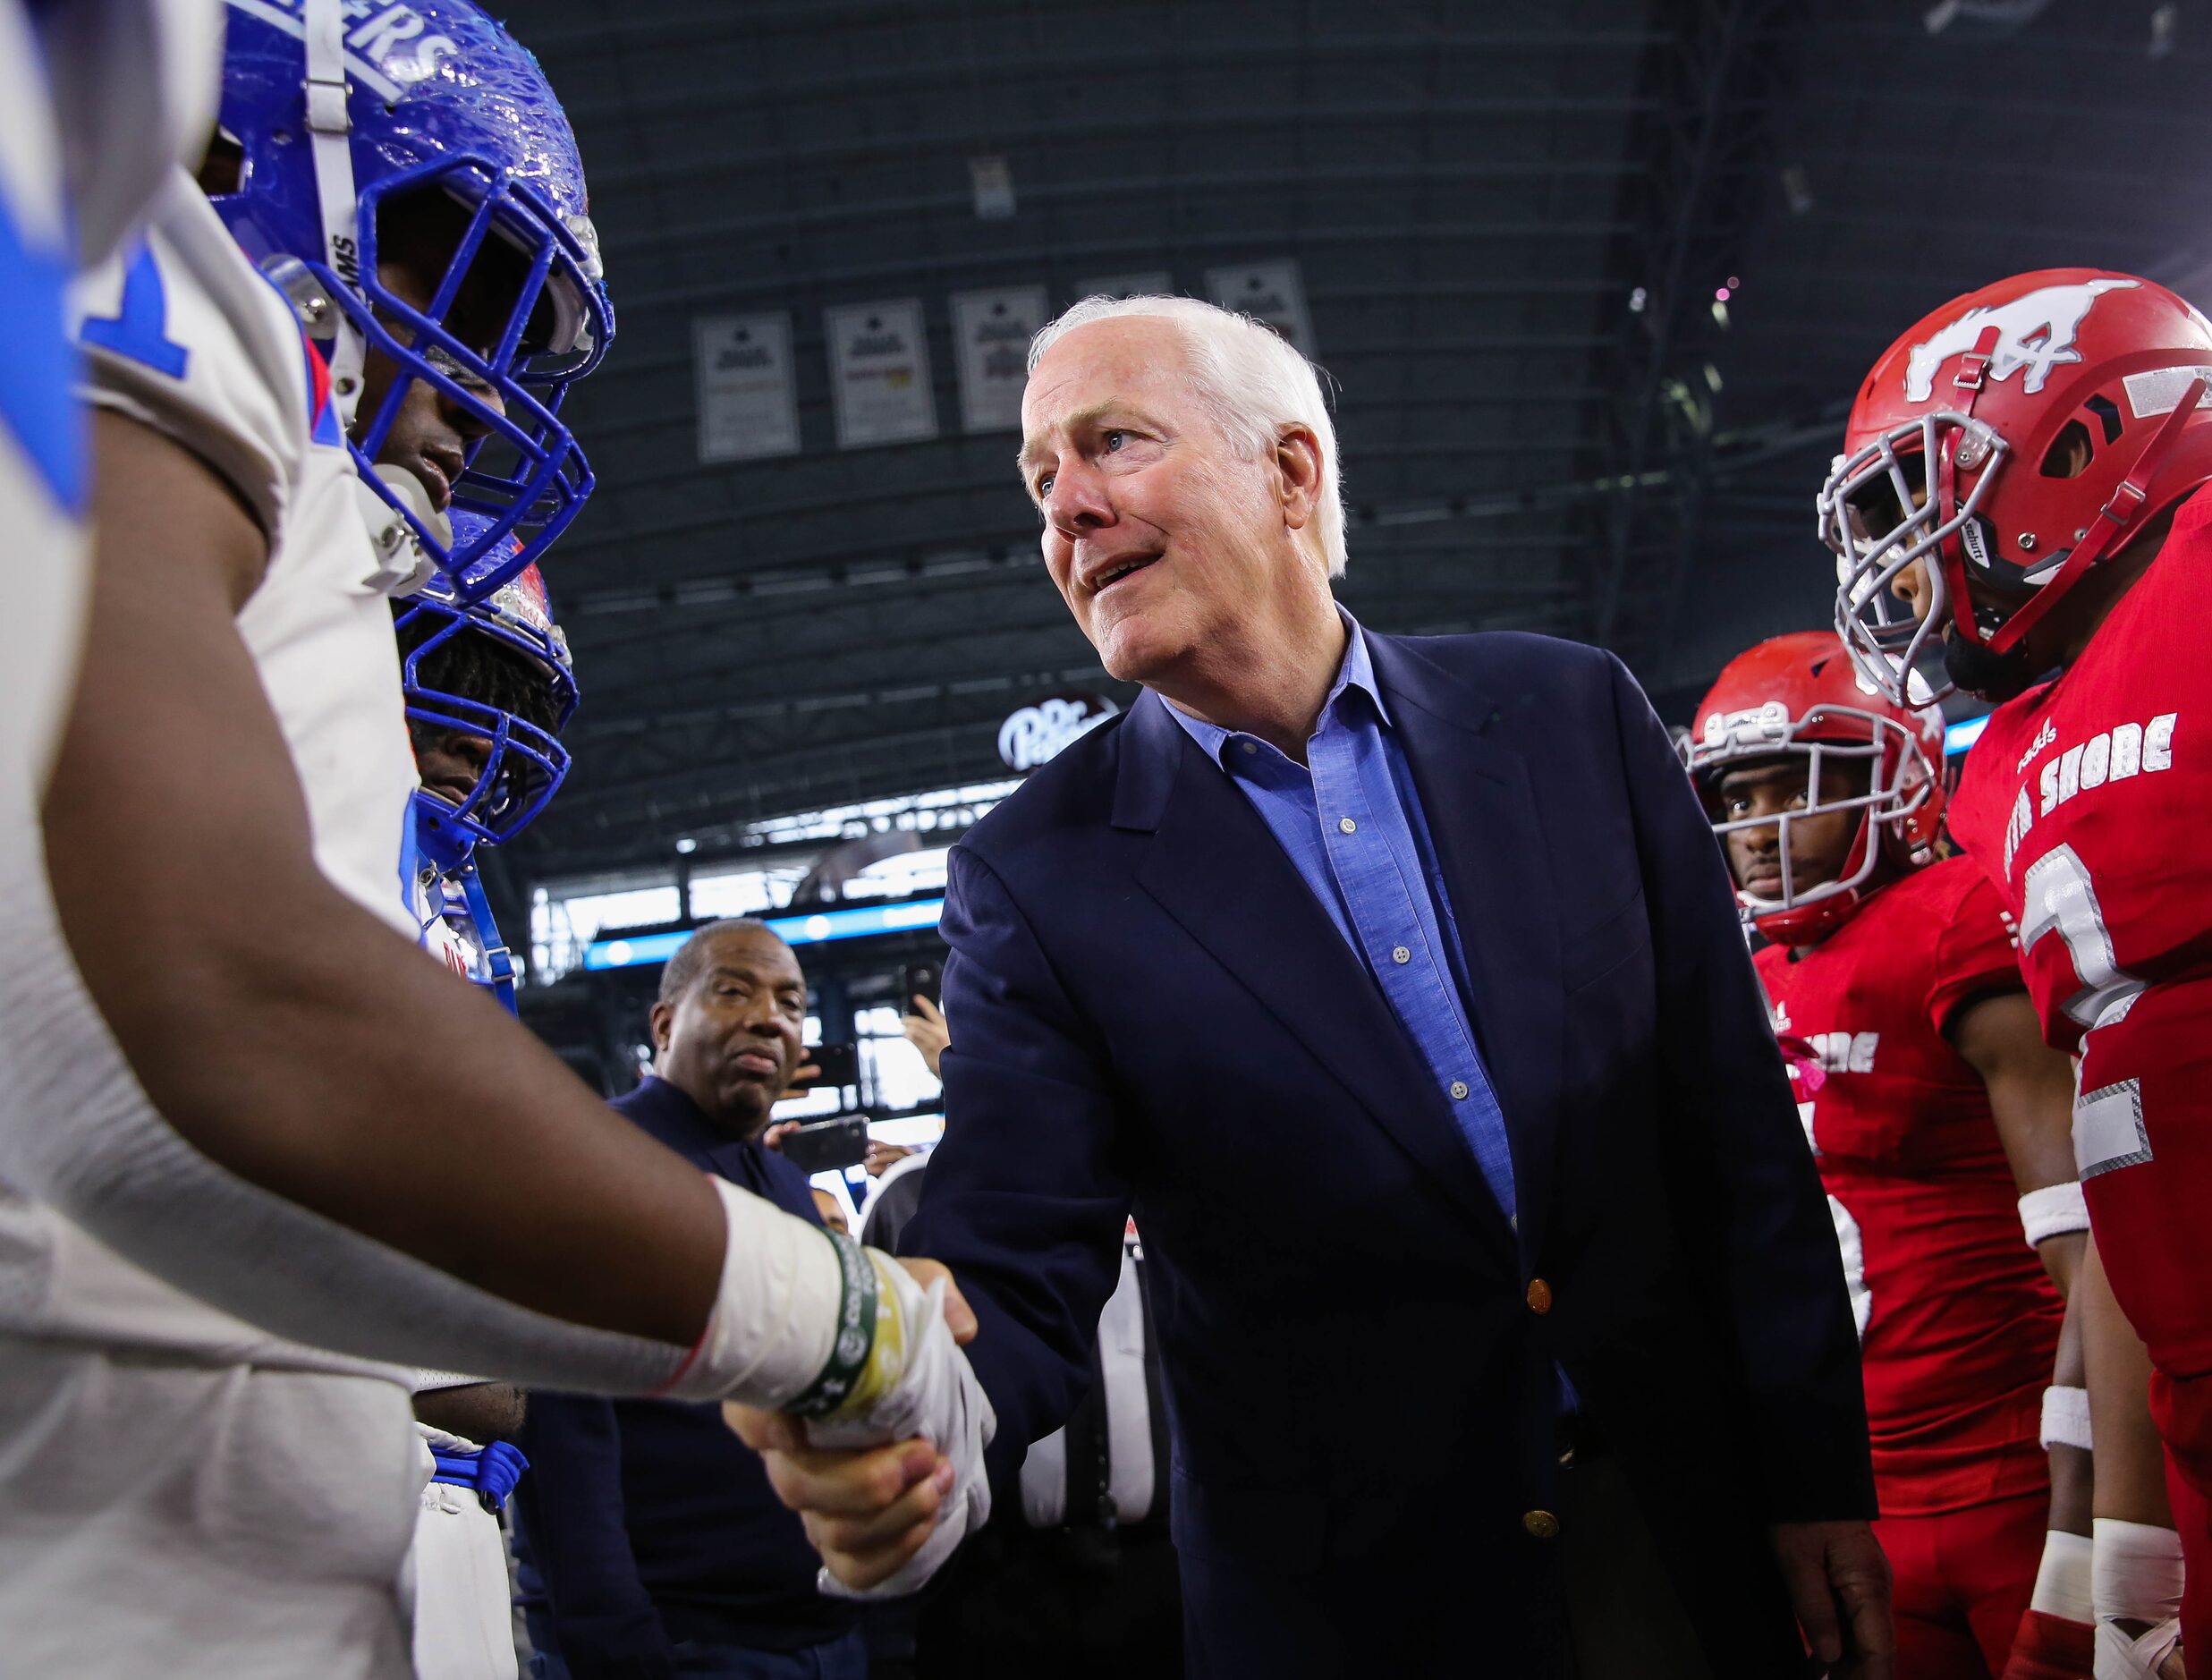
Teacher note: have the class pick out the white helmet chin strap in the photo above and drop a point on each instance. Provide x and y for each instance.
(330, 135)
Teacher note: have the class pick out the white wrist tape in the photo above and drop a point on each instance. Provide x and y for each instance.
(2135, 1576)
(936, 1396)
(2054, 1210)
(2066, 1418)
(775, 1319)
(2064, 1586)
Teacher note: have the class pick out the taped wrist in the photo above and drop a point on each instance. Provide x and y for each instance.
(920, 1384)
(2065, 1419)
(2054, 1210)
(2135, 1578)
(791, 1317)
(2064, 1585)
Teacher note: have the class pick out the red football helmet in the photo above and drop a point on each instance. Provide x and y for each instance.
(2056, 413)
(1797, 695)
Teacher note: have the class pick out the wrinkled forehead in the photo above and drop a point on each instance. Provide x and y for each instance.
(1132, 362)
(754, 954)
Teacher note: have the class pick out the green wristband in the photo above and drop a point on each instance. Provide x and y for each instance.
(856, 1333)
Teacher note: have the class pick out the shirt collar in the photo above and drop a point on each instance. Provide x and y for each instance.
(683, 1126)
(1356, 670)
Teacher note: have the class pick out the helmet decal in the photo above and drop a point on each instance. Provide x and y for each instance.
(2035, 331)
(2015, 439)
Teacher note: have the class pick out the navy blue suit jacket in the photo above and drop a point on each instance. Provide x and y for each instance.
(1149, 1008)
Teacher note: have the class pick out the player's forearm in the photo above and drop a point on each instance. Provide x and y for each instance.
(337, 1068)
(2061, 1260)
(281, 1029)
(478, 1412)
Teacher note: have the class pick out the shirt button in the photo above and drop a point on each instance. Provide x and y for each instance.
(1251, 746)
(1347, 824)
(1459, 1089)
(1401, 954)
(1541, 1524)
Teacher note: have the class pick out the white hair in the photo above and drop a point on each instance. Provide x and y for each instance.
(1251, 380)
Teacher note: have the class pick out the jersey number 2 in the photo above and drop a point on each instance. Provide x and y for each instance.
(2056, 897)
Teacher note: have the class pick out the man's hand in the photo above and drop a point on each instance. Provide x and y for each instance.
(880, 1156)
(773, 1138)
(1839, 1586)
(926, 1030)
(867, 1510)
(960, 1317)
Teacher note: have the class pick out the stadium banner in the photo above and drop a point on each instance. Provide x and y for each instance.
(1272, 293)
(991, 334)
(748, 399)
(879, 374)
(1154, 283)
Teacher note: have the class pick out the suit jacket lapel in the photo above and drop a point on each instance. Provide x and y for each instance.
(1496, 869)
(1214, 868)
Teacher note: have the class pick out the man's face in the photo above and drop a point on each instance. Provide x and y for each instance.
(1995, 676)
(732, 1041)
(431, 435)
(1819, 843)
(449, 762)
(1158, 536)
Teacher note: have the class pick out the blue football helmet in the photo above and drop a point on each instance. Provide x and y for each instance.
(438, 103)
(494, 678)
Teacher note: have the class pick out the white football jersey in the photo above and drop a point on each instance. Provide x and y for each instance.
(182, 334)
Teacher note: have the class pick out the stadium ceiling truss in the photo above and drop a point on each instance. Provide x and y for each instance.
(1511, 221)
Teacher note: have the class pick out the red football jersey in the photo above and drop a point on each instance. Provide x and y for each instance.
(2083, 801)
(1957, 1322)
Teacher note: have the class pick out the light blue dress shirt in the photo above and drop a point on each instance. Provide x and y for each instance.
(1351, 821)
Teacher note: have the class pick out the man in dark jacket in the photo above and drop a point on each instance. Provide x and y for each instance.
(662, 1548)
(1554, 1365)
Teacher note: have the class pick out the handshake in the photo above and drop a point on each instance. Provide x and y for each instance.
(885, 1497)
(842, 1367)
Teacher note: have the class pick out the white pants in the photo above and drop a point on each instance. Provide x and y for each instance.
(233, 1522)
(457, 1579)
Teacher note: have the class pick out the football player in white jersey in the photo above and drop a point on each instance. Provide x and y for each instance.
(227, 1097)
(488, 689)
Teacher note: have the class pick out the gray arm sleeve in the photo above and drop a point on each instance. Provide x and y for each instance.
(78, 1134)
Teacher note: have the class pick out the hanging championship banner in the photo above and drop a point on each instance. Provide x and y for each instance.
(991, 334)
(879, 374)
(1158, 283)
(748, 404)
(1268, 291)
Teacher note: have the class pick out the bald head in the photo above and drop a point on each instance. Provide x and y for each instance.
(727, 1027)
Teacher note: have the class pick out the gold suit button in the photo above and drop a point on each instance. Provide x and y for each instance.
(1541, 1524)
(1540, 1296)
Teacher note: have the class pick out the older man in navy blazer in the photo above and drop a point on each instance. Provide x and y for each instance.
(1543, 1352)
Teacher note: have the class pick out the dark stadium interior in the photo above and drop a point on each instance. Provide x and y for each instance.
(1511, 221)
